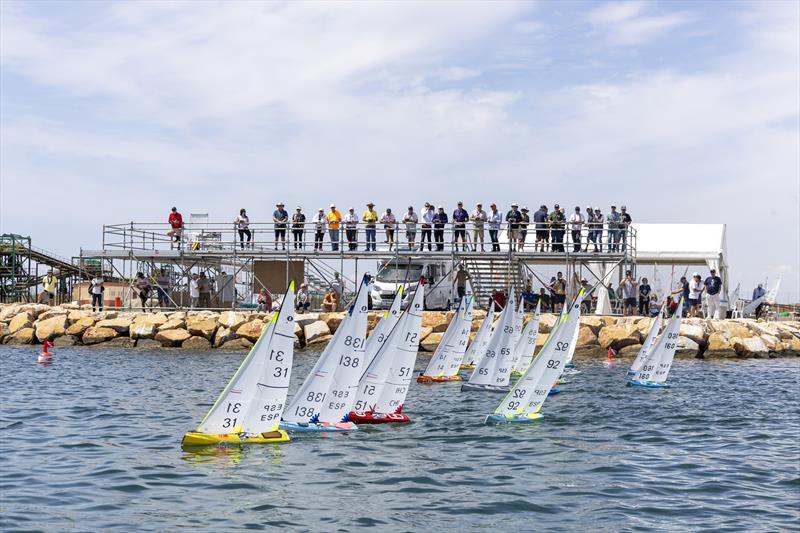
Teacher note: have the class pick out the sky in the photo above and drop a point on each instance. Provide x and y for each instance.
(684, 111)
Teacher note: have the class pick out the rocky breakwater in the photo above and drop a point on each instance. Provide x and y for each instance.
(71, 325)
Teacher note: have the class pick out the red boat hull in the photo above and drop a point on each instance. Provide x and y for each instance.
(367, 417)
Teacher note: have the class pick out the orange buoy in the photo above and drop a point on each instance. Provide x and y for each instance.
(45, 355)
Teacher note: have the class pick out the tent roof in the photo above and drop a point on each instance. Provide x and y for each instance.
(680, 243)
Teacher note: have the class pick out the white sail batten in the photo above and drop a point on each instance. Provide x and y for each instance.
(493, 366)
(404, 338)
(254, 399)
(482, 336)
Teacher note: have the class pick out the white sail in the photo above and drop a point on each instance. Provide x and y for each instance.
(526, 345)
(402, 341)
(349, 356)
(666, 349)
(523, 397)
(494, 368)
(772, 294)
(309, 398)
(447, 358)
(562, 351)
(648, 344)
(254, 399)
(519, 320)
(573, 343)
(481, 339)
(381, 331)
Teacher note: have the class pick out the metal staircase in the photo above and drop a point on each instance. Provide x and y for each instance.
(491, 274)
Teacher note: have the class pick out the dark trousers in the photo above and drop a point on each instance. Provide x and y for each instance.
(242, 233)
(280, 235)
(298, 238)
(596, 237)
(426, 233)
(576, 240)
(644, 306)
(558, 240)
(97, 299)
(352, 236)
(319, 236)
(162, 297)
(493, 238)
(460, 233)
(438, 236)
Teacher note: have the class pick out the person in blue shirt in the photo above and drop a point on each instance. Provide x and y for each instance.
(460, 218)
(439, 222)
(542, 230)
(279, 218)
(713, 285)
(759, 292)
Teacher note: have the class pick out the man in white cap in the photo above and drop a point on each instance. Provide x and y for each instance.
(523, 228)
(302, 300)
(298, 227)
(696, 289)
(319, 221)
(597, 224)
(478, 218)
(495, 220)
(410, 219)
(351, 229)
(389, 224)
(334, 220)
(370, 219)
(513, 218)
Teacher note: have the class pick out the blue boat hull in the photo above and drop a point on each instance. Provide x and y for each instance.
(570, 365)
(294, 427)
(648, 384)
(631, 373)
(554, 391)
(493, 420)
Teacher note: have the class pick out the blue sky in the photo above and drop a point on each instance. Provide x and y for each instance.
(684, 111)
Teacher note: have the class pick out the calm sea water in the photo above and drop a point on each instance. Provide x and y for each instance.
(91, 443)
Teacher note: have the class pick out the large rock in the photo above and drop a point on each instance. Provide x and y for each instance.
(431, 341)
(694, 330)
(442, 326)
(172, 338)
(251, 330)
(78, 327)
(196, 342)
(594, 322)
(148, 344)
(630, 351)
(687, 348)
(733, 328)
(315, 330)
(54, 312)
(719, 345)
(150, 319)
(425, 331)
(120, 342)
(772, 343)
(332, 320)
(619, 336)
(587, 337)
(306, 318)
(120, 324)
(20, 321)
(3, 330)
(7, 313)
(223, 335)
(202, 326)
(173, 323)
(546, 322)
(143, 331)
(791, 346)
(540, 340)
(66, 340)
(97, 334)
(237, 345)
(432, 319)
(231, 319)
(19, 337)
(77, 314)
(323, 339)
(50, 328)
(750, 347)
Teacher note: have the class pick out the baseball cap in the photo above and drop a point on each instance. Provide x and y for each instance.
(351, 208)
(515, 204)
(622, 207)
(555, 206)
(333, 205)
(493, 205)
(460, 203)
(440, 207)
(411, 207)
(613, 207)
(524, 207)
(321, 209)
(299, 208)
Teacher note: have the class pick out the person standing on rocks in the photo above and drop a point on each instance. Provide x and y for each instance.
(478, 218)
(713, 284)
(194, 291)
(162, 288)
(204, 286)
(49, 284)
(96, 289)
(629, 288)
(264, 301)
(644, 297)
(696, 289)
(143, 287)
(683, 290)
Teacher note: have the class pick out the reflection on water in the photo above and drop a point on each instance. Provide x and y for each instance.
(92, 442)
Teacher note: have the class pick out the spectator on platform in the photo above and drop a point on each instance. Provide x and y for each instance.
(370, 219)
(329, 301)
(523, 229)
(427, 225)
(513, 218)
(143, 288)
(696, 289)
(175, 221)
(460, 218)
(461, 281)
(713, 284)
(624, 224)
(644, 297)
(302, 301)
(439, 222)
(280, 217)
(597, 227)
(557, 221)
(264, 301)
(545, 299)
(495, 220)
(389, 223)
(576, 222)
(540, 217)
(298, 228)
(320, 221)
(334, 218)
(559, 291)
(96, 289)
(194, 291)
(478, 218)
(629, 287)
(613, 219)
(351, 228)
(242, 224)
(162, 288)
(588, 219)
(410, 219)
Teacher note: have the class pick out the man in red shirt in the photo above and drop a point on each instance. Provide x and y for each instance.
(176, 223)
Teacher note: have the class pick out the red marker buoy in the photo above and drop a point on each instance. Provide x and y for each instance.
(45, 356)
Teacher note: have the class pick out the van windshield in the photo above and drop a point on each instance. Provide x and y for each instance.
(402, 273)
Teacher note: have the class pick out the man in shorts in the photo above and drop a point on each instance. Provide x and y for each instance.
(558, 288)
(542, 233)
(629, 288)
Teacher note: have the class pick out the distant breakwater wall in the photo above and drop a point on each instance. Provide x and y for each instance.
(73, 325)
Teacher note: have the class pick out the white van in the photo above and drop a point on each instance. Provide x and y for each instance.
(439, 293)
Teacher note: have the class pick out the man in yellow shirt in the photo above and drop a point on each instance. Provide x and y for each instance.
(334, 219)
(49, 283)
(370, 217)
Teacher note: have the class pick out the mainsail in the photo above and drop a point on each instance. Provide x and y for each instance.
(482, 336)
(382, 328)
(494, 367)
(446, 360)
(655, 368)
(254, 399)
(648, 344)
(527, 343)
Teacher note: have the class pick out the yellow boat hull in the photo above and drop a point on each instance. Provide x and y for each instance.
(208, 439)
(467, 367)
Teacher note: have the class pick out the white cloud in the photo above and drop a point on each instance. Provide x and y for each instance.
(630, 23)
